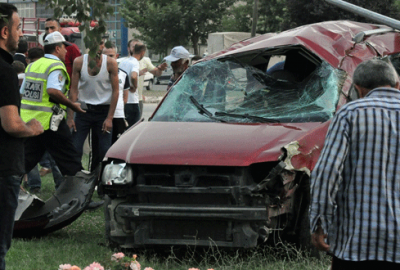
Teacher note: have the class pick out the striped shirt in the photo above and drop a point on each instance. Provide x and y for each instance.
(355, 185)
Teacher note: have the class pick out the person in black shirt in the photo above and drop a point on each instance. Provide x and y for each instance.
(12, 128)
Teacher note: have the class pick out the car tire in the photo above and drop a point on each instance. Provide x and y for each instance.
(157, 81)
(150, 85)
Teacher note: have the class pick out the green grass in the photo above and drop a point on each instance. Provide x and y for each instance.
(83, 242)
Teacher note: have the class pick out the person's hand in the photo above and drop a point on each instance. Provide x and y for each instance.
(163, 66)
(107, 126)
(71, 124)
(35, 126)
(143, 71)
(76, 107)
(318, 239)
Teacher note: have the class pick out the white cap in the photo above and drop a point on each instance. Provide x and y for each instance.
(177, 53)
(54, 38)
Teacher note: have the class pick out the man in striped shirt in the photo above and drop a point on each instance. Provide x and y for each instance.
(355, 185)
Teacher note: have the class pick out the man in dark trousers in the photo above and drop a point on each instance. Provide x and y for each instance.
(12, 128)
(97, 87)
(355, 183)
(45, 90)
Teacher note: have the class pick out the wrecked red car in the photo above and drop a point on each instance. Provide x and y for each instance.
(226, 157)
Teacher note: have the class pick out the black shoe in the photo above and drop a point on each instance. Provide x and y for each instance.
(94, 205)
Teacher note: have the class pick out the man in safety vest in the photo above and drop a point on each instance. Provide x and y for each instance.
(45, 90)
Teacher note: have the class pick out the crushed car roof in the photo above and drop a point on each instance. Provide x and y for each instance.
(331, 41)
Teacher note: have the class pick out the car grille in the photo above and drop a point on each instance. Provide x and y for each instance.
(194, 185)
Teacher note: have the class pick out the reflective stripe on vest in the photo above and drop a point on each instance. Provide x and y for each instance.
(44, 75)
(36, 103)
(36, 108)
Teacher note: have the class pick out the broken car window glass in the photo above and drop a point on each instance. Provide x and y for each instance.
(238, 93)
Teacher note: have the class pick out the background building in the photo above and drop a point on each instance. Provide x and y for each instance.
(118, 33)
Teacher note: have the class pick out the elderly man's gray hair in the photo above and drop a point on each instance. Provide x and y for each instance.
(375, 73)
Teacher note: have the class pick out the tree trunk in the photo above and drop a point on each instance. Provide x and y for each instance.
(255, 18)
(195, 42)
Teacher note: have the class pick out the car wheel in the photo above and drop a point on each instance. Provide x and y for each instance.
(150, 85)
(157, 81)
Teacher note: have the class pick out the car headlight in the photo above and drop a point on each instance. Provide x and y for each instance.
(117, 174)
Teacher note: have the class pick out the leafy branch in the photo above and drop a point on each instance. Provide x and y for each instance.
(86, 12)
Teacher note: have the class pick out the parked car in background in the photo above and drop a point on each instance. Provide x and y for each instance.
(148, 80)
(165, 76)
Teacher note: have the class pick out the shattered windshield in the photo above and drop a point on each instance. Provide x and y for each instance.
(228, 91)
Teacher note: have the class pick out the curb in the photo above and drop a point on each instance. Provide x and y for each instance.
(151, 99)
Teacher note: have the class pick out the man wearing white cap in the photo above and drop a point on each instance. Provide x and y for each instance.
(45, 90)
(179, 59)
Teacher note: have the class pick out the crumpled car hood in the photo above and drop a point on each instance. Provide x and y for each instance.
(206, 144)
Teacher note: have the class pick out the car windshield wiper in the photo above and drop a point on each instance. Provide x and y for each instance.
(204, 111)
(247, 116)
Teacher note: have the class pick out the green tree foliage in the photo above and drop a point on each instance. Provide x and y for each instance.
(167, 23)
(278, 15)
(271, 16)
(238, 17)
(302, 12)
(86, 11)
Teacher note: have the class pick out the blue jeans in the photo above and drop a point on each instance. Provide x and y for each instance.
(48, 162)
(92, 120)
(132, 113)
(9, 190)
(34, 180)
(45, 161)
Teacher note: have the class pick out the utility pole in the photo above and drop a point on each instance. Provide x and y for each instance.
(255, 18)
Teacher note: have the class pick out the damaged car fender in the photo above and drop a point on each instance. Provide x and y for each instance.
(34, 217)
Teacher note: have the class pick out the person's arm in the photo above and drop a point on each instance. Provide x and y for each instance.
(15, 126)
(112, 67)
(142, 72)
(326, 179)
(125, 93)
(157, 71)
(73, 91)
(318, 239)
(59, 97)
(134, 81)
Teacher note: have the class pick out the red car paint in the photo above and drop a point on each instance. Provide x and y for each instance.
(213, 144)
(201, 182)
(243, 144)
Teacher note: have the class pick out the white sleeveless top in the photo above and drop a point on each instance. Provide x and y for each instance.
(95, 90)
(123, 85)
